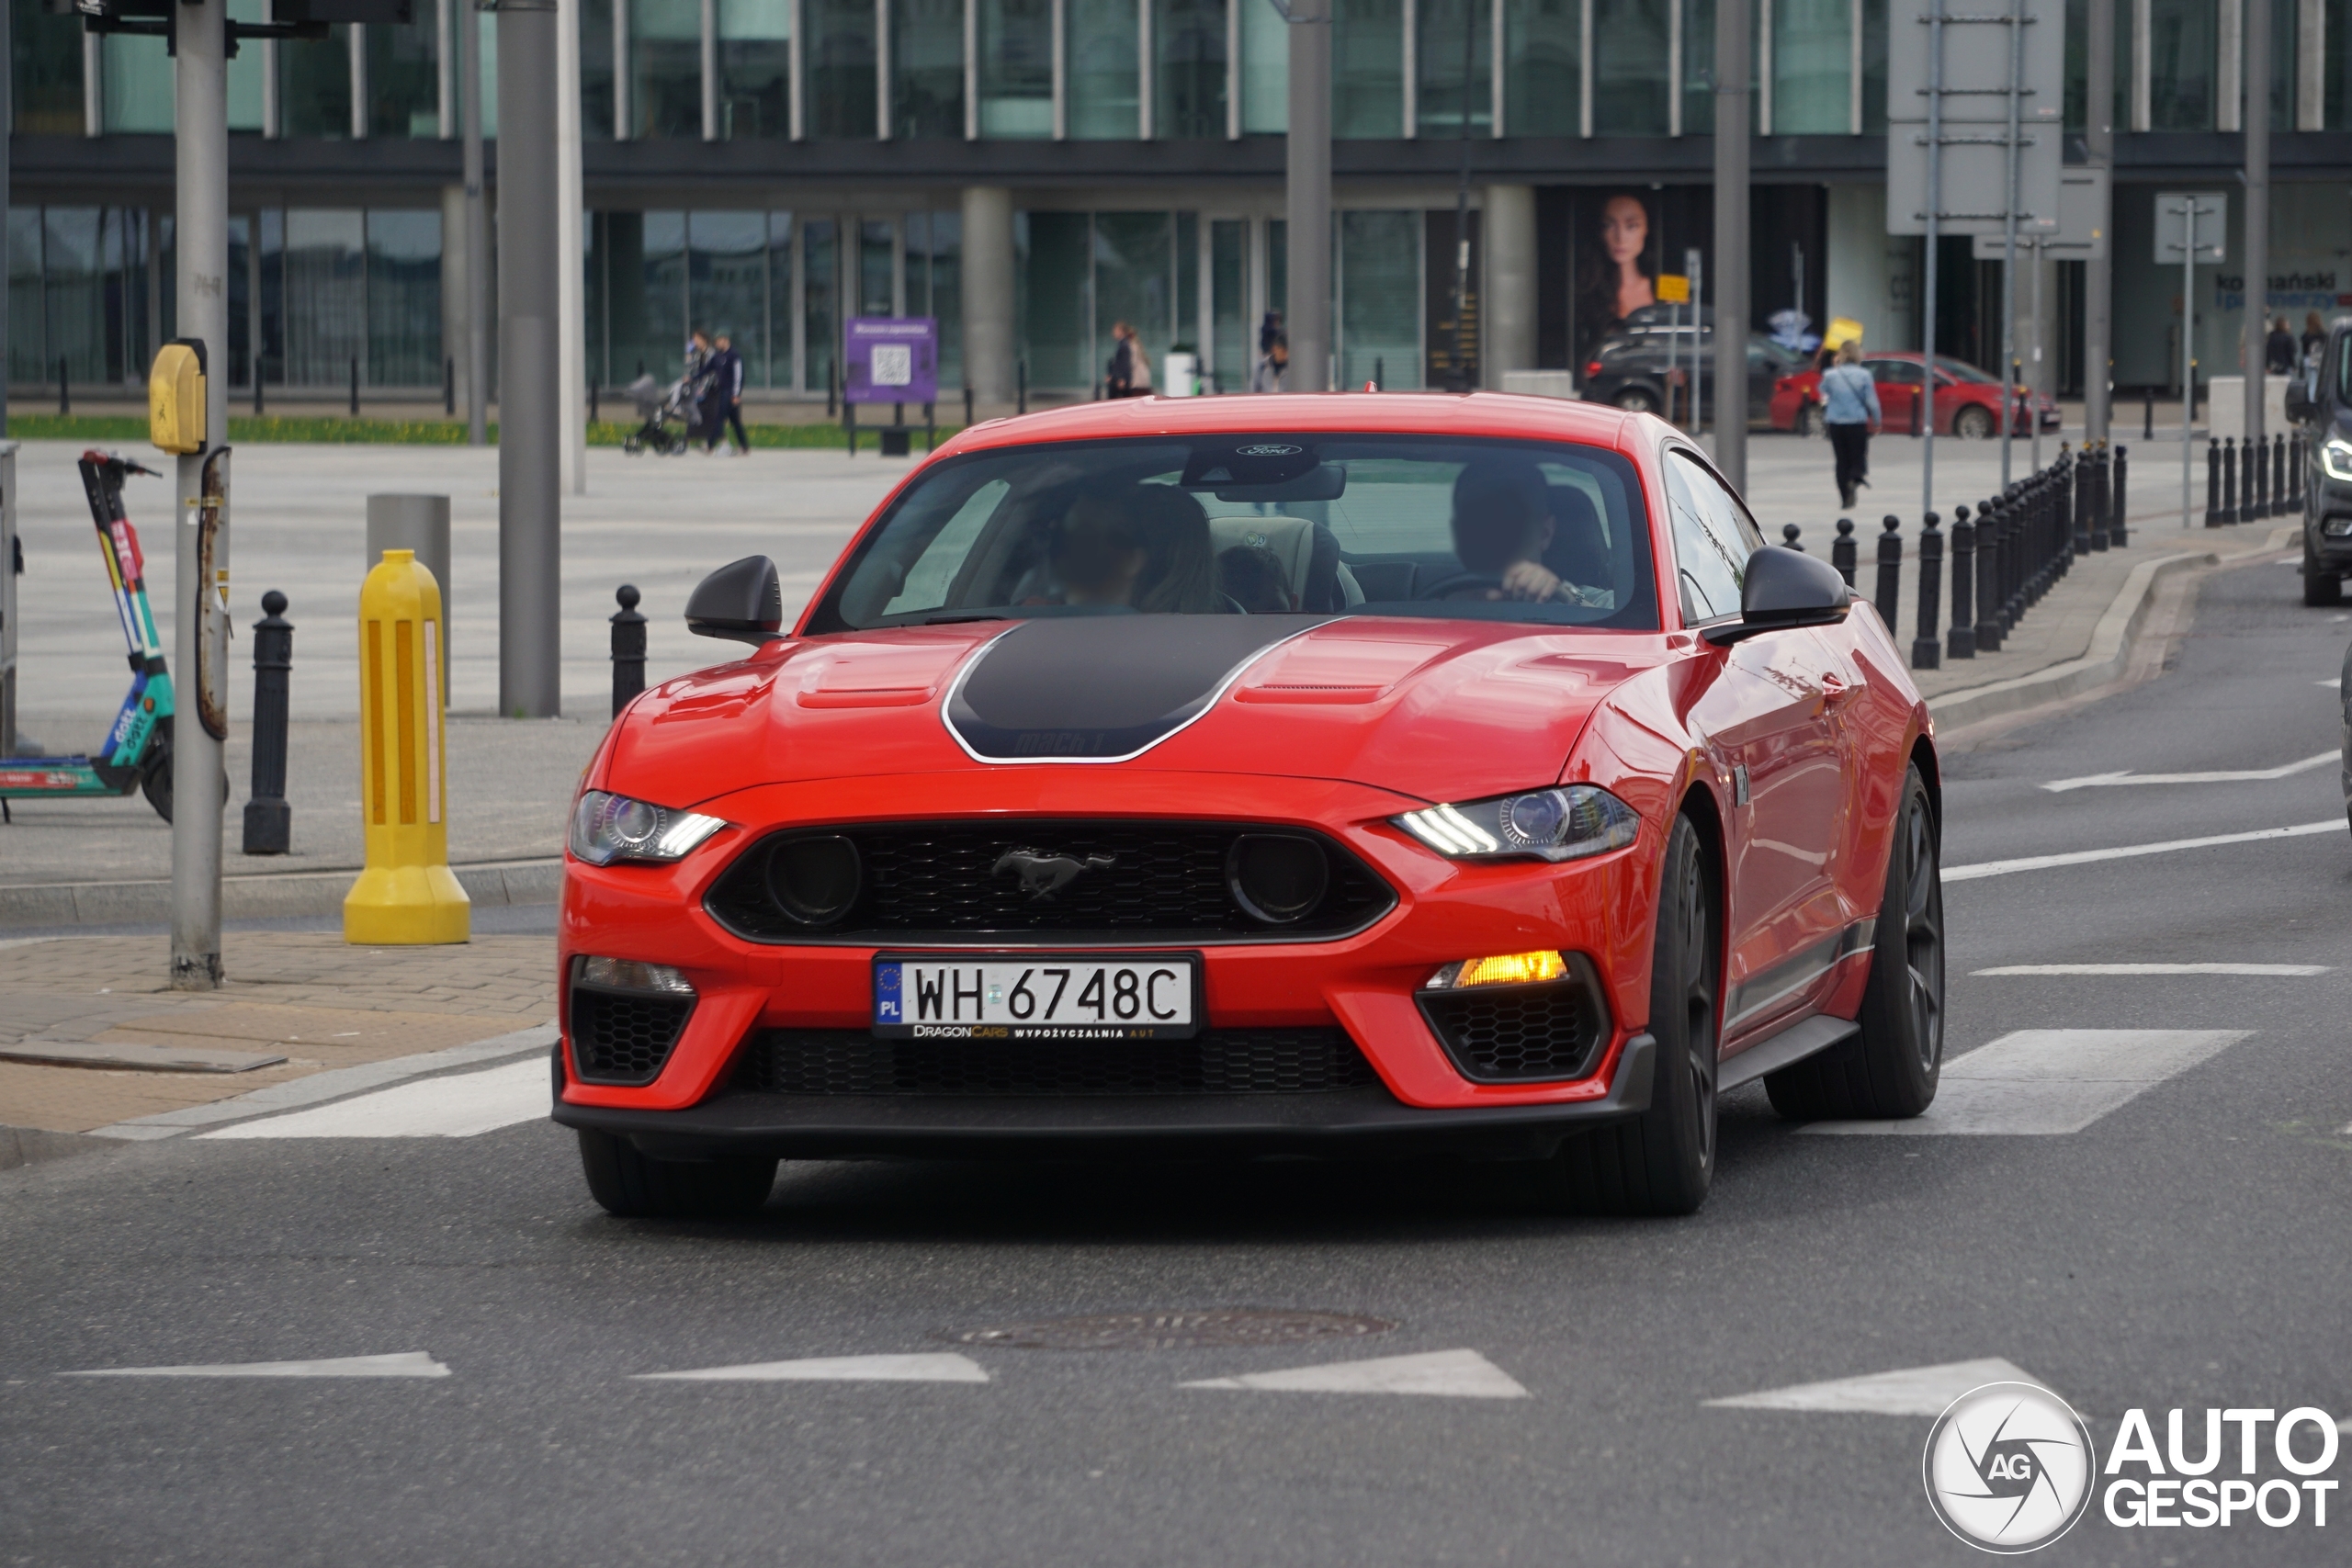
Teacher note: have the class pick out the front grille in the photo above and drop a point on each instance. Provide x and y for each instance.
(940, 882)
(1518, 1033)
(622, 1037)
(1225, 1061)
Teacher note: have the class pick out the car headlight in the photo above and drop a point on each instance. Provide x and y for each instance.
(606, 827)
(2337, 457)
(1547, 824)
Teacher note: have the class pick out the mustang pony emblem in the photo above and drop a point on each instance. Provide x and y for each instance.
(1042, 876)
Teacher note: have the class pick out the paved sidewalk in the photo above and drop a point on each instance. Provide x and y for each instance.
(308, 997)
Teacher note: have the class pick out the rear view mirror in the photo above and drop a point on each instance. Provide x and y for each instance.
(1325, 481)
(1784, 588)
(741, 602)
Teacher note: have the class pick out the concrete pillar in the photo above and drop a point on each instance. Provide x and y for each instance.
(453, 286)
(1509, 229)
(990, 353)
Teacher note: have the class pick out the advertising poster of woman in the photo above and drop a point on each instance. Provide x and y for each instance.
(1617, 267)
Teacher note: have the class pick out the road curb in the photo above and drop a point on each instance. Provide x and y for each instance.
(2104, 660)
(33, 1145)
(259, 896)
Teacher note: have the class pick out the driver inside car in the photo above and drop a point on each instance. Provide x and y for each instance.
(1503, 526)
(1146, 547)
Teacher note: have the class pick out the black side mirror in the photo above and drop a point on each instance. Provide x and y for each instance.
(2300, 408)
(1784, 588)
(742, 602)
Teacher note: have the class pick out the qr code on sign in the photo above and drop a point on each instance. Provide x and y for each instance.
(894, 364)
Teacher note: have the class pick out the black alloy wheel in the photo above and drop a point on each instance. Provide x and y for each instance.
(631, 1185)
(1891, 1069)
(1663, 1161)
(1635, 399)
(2322, 587)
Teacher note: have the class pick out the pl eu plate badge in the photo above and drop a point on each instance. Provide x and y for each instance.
(887, 994)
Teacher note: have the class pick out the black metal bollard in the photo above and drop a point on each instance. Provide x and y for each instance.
(1927, 648)
(2118, 532)
(2298, 458)
(1889, 591)
(2015, 531)
(1021, 384)
(257, 391)
(2278, 476)
(354, 386)
(1990, 521)
(64, 396)
(2085, 502)
(2148, 415)
(1841, 553)
(2103, 500)
(449, 384)
(1789, 534)
(269, 821)
(2229, 481)
(1961, 641)
(2212, 484)
(831, 383)
(967, 408)
(628, 649)
(2257, 481)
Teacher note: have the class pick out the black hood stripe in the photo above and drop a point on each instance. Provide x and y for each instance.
(1103, 688)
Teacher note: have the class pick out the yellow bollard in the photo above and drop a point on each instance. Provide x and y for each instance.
(407, 895)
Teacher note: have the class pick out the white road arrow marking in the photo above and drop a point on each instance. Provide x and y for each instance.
(2049, 1080)
(2291, 969)
(459, 1106)
(1457, 1374)
(2251, 775)
(1912, 1391)
(407, 1364)
(940, 1368)
(2127, 852)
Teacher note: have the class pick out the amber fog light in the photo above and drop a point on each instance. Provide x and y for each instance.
(814, 880)
(1277, 877)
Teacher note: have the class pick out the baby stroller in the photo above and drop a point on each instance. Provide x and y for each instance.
(656, 409)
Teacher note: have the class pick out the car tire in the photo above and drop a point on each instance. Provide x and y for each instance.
(2322, 588)
(1972, 423)
(1635, 399)
(1663, 1161)
(1892, 1068)
(632, 1185)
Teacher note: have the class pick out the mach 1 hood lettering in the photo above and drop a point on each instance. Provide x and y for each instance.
(1042, 875)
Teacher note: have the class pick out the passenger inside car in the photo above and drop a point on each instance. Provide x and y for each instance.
(1253, 577)
(1507, 526)
(1146, 547)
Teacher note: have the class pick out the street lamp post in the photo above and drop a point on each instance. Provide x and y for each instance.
(530, 601)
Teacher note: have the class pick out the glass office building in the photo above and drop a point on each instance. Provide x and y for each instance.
(772, 167)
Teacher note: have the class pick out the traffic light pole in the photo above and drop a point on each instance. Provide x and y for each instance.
(200, 579)
(530, 545)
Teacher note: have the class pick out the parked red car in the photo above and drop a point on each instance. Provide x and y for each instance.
(1968, 402)
(1276, 775)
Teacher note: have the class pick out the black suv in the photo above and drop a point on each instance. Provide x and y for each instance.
(1628, 366)
(2322, 406)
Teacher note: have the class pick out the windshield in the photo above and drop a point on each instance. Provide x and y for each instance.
(1261, 524)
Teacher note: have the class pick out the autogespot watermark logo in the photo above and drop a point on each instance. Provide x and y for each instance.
(2009, 1467)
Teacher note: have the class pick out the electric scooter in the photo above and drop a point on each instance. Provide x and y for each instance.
(137, 753)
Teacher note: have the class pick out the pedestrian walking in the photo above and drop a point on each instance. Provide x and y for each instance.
(693, 383)
(2278, 349)
(1268, 376)
(1129, 373)
(723, 403)
(1850, 414)
(2315, 339)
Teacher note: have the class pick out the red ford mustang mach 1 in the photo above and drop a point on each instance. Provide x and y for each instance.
(1274, 774)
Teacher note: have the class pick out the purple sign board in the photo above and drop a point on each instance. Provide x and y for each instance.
(891, 359)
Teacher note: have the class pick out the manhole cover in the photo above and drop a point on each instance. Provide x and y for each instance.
(1173, 1331)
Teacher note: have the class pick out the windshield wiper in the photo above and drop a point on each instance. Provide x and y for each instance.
(950, 617)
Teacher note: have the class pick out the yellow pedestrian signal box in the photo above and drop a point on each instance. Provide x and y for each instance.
(407, 894)
(176, 396)
(1673, 288)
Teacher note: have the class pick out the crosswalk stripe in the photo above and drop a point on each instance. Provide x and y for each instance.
(459, 1106)
(1459, 1374)
(406, 1364)
(2240, 775)
(2128, 852)
(2049, 1080)
(1911, 1391)
(933, 1368)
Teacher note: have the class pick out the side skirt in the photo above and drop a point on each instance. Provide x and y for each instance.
(1806, 1037)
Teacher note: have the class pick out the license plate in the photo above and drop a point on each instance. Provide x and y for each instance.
(1038, 997)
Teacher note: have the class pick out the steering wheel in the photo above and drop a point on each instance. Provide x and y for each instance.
(1447, 587)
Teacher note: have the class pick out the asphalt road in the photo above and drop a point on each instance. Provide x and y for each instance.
(2185, 1247)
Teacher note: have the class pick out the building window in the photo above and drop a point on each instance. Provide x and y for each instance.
(314, 84)
(665, 69)
(326, 295)
(935, 284)
(820, 301)
(840, 62)
(1016, 68)
(2335, 16)
(1544, 83)
(1265, 70)
(1454, 33)
(727, 283)
(927, 68)
(404, 79)
(1102, 85)
(1134, 282)
(781, 361)
(1188, 53)
(136, 88)
(1368, 68)
(595, 72)
(403, 300)
(1874, 66)
(754, 73)
(48, 63)
(78, 291)
(2182, 39)
(1632, 80)
(1380, 299)
(1698, 66)
(1811, 82)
